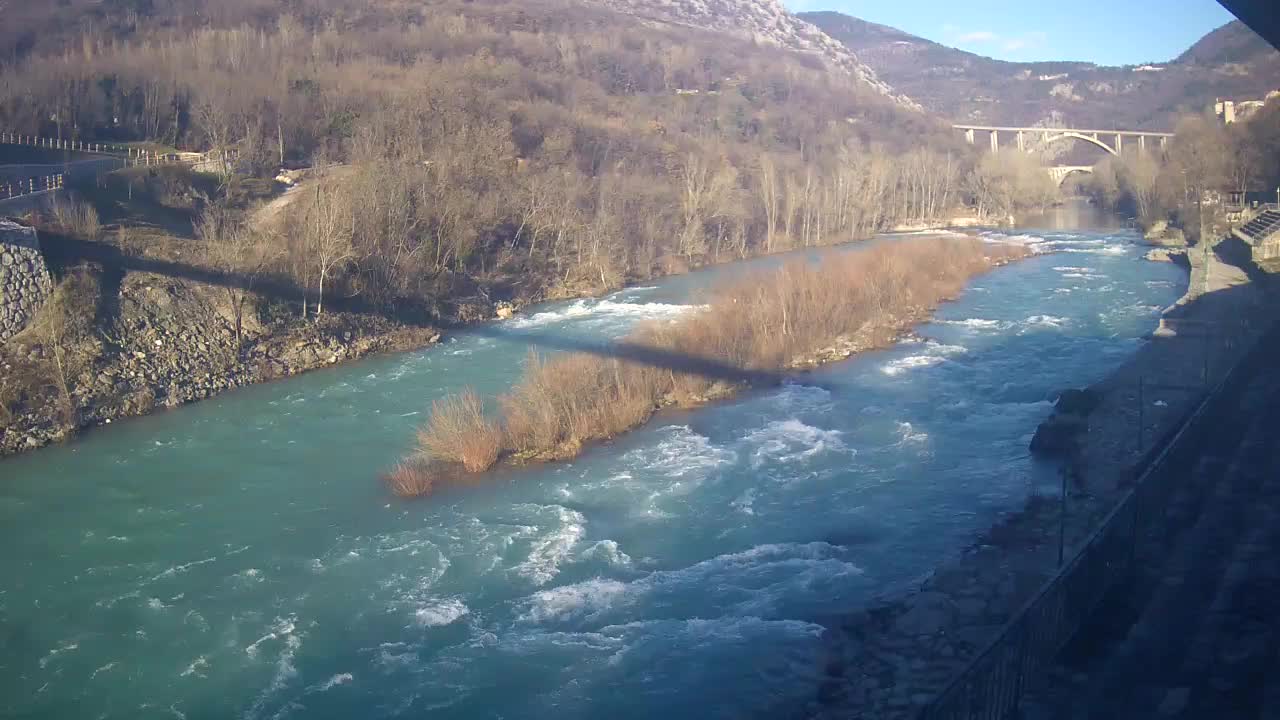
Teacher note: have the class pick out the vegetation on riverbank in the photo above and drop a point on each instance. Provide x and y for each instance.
(797, 315)
(1206, 160)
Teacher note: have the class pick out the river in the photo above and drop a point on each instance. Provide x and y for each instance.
(239, 558)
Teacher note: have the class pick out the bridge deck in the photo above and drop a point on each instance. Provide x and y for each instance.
(1124, 133)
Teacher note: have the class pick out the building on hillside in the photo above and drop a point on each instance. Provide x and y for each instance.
(1229, 111)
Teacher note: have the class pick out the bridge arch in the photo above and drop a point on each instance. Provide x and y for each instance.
(1080, 136)
(1062, 172)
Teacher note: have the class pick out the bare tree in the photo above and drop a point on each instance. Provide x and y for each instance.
(329, 227)
(232, 248)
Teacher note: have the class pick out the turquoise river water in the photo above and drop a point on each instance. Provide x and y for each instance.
(238, 558)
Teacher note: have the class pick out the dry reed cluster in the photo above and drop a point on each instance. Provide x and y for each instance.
(769, 321)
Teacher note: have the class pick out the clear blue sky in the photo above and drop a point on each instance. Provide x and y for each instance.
(1107, 32)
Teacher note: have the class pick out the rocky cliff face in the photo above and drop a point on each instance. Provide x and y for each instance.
(764, 21)
(24, 279)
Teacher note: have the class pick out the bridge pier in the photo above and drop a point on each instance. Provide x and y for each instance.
(1022, 142)
(995, 141)
(968, 136)
(1119, 144)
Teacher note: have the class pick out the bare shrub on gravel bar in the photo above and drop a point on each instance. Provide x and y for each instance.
(798, 315)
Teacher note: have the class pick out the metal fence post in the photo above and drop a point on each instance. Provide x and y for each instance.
(1205, 371)
(1142, 409)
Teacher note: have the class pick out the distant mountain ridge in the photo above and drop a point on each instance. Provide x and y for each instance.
(1230, 62)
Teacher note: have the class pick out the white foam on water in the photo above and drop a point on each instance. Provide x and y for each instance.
(788, 441)
(1046, 321)
(578, 600)
(978, 324)
(745, 501)
(910, 362)
(607, 551)
(439, 614)
(938, 348)
(1074, 269)
(908, 435)
(548, 551)
(61, 649)
(283, 628)
(335, 681)
(195, 667)
(1084, 276)
(1019, 239)
(183, 568)
(682, 454)
(800, 397)
(603, 309)
(285, 673)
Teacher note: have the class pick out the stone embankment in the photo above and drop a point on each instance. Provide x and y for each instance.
(24, 279)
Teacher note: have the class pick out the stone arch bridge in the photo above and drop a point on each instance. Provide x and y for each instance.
(1112, 142)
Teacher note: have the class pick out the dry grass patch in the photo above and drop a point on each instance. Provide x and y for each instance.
(77, 218)
(459, 432)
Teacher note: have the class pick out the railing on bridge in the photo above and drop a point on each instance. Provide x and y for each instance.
(992, 685)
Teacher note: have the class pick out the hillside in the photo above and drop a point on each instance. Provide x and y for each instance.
(1230, 62)
(762, 21)
(41, 28)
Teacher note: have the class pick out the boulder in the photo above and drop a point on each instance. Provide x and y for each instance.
(930, 613)
(1077, 402)
(505, 310)
(1059, 435)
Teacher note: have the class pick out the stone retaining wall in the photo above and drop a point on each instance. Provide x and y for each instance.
(24, 279)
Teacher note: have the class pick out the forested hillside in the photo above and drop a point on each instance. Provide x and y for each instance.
(565, 144)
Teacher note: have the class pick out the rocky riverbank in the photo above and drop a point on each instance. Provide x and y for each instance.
(162, 342)
(891, 659)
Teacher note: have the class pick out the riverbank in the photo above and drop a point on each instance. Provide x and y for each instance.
(161, 342)
(891, 659)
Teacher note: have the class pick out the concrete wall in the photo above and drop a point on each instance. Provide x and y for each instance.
(24, 280)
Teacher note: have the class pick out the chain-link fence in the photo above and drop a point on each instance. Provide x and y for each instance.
(992, 685)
